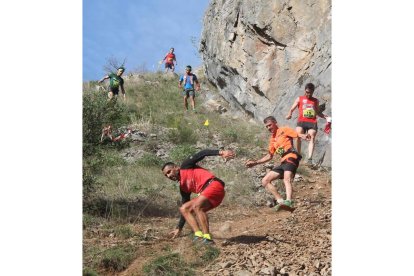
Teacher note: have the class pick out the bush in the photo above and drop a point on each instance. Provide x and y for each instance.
(150, 160)
(89, 272)
(97, 113)
(180, 153)
(124, 231)
(92, 167)
(182, 135)
(118, 258)
(171, 264)
(230, 135)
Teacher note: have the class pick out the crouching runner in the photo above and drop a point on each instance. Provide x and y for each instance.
(195, 179)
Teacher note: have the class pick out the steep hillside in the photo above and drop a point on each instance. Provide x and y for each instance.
(260, 54)
(130, 207)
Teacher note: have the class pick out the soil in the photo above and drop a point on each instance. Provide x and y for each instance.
(253, 241)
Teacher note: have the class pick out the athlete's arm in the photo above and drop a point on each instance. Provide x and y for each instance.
(180, 81)
(192, 160)
(295, 104)
(251, 163)
(185, 197)
(197, 84)
(318, 112)
(104, 78)
(123, 90)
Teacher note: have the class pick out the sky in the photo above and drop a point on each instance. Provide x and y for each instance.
(142, 32)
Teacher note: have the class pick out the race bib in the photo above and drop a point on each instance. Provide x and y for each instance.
(280, 151)
(308, 112)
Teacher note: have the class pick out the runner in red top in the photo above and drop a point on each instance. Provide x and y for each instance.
(307, 122)
(169, 60)
(195, 179)
(281, 142)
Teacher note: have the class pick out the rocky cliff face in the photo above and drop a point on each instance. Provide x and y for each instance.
(260, 54)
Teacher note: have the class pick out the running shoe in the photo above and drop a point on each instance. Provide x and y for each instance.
(208, 241)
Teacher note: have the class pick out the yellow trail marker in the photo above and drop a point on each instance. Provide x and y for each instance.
(206, 123)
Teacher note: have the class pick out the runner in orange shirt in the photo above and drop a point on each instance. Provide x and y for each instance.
(281, 143)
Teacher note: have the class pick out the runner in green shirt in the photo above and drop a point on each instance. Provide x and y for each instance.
(115, 82)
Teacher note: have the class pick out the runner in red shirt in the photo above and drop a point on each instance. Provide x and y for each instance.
(195, 179)
(307, 122)
(281, 142)
(169, 60)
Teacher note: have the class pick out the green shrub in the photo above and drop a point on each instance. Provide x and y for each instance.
(98, 112)
(182, 135)
(118, 258)
(150, 160)
(168, 265)
(230, 135)
(92, 167)
(182, 152)
(210, 254)
(89, 272)
(124, 231)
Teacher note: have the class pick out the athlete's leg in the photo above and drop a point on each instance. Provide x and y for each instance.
(287, 180)
(266, 182)
(185, 102)
(196, 205)
(311, 145)
(299, 130)
(200, 208)
(192, 101)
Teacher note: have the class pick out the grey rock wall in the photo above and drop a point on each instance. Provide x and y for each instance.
(260, 54)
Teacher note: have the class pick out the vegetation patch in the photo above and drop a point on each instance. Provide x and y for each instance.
(182, 152)
(118, 258)
(169, 265)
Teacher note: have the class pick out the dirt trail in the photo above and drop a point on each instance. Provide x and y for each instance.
(261, 241)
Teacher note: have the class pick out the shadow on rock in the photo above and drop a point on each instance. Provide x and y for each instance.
(247, 239)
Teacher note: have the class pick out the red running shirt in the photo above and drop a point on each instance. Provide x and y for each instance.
(307, 109)
(170, 58)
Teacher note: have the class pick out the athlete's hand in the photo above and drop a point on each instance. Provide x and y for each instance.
(288, 116)
(197, 88)
(227, 154)
(250, 163)
(304, 136)
(174, 234)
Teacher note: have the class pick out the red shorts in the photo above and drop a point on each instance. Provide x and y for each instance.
(214, 193)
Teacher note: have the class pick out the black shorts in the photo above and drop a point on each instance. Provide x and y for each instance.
(114, 90)
(169, 65)
(287, 166)
(307, 125)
